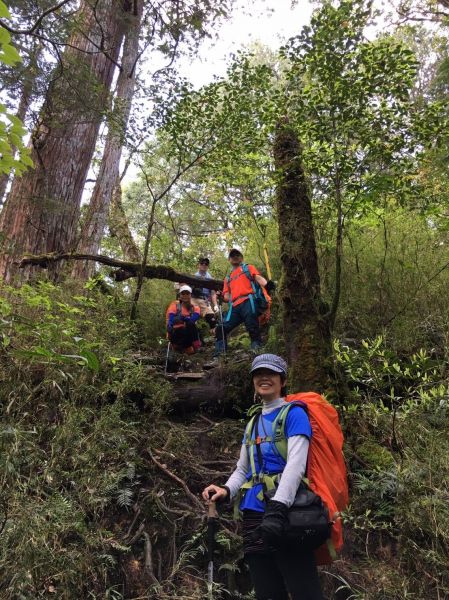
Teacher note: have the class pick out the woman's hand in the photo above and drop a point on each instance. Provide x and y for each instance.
(219, 493)
(274, 522)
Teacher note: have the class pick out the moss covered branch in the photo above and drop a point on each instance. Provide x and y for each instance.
(124, 269)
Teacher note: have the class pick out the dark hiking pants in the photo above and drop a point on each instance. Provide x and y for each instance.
(277, 574)
(242, 313)
(183, 337)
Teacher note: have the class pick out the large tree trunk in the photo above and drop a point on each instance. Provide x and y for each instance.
(97, 212)
(119, 226)
(42, 210)
(306, 325)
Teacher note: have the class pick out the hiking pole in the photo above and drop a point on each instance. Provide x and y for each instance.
(212, 526)
(222, 328)
(166, 358)
(267, 262)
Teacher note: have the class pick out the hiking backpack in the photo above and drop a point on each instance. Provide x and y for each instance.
(178, 322)
(326, 469)
(260, 299)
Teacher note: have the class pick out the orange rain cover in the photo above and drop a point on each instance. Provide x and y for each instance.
(326, 468)
(265, 316)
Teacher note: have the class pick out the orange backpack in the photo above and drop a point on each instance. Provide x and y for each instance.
(326, 468)
(265, 316)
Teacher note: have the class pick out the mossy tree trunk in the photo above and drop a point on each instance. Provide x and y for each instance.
(307, 332)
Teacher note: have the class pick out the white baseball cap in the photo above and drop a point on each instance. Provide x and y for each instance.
(185, 288)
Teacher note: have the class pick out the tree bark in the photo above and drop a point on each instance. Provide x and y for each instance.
(141, 273)
(42, 210)
(307, 332)
(119, 227)
(97, 212)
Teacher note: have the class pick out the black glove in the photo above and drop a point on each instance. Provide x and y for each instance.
(224, 500)
(228, 492)
(274, 523)
(271, 286)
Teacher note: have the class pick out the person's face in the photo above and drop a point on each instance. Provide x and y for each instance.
(185, 296)
(236, 261)
(202, 267)
(267, 384)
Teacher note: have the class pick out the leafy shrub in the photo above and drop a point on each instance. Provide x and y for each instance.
(397, 446)
(71, 438)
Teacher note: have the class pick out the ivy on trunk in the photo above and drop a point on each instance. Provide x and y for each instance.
(307, 333)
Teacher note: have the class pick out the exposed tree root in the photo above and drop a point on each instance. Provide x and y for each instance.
(178, 480)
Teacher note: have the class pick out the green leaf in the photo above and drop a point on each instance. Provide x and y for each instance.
(4, 12)
(92, 360)
(10, 56)
(5, 36)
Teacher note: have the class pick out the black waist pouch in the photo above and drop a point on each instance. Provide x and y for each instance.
(309, 524)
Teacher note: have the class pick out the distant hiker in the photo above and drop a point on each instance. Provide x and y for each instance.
(240, 288)
(181, 322)
(289, 524)
(204, 298)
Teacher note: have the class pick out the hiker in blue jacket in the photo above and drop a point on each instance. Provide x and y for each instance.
(204, 298)
(275, 570)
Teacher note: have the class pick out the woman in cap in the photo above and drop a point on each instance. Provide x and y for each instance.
(276, 570)
(181, 318)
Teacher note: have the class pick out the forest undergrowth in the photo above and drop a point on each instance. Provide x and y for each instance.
(100, 476)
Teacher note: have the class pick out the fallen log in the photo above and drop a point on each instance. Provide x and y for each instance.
(225, 391)
(125, 269)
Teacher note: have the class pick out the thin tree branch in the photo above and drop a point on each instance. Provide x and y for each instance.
(39, 20)
(418, 289)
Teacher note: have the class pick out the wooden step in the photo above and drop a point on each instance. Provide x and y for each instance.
(186, 375)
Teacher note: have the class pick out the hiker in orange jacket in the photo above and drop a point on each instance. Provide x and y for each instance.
(277, 570)
(181, 319)
(238, 290)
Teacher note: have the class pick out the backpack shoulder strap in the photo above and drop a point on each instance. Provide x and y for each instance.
(250, 427)
(278, 428)
(247, 272)
(245, 269)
